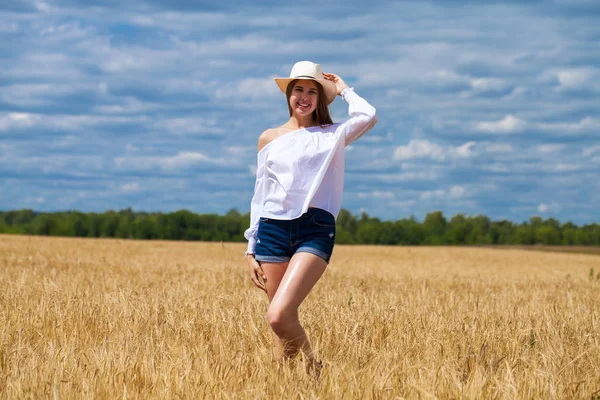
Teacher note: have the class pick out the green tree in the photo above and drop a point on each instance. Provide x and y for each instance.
(548, 235)
(457, 230)
(434, 227)
(412, 231)
(524, 234)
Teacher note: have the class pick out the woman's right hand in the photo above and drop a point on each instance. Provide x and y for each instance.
(256, 272)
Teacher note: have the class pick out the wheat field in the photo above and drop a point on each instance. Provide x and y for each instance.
(84, 318)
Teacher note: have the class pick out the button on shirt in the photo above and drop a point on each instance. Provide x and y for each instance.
(305, 168)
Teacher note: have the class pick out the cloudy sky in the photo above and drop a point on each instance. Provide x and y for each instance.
(157, 105)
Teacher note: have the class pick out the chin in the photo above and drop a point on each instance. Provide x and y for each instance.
(302, 112)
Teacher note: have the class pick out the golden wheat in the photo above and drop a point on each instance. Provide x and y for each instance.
(133, 319)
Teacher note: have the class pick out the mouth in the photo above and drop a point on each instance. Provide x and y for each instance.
(303, 106)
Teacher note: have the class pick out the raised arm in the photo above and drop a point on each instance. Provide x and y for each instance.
(362, 115)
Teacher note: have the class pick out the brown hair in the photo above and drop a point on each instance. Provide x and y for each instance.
(321, 113)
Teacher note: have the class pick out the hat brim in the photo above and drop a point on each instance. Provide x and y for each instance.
(328, 87)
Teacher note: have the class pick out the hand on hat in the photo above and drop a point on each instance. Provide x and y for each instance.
(339, 82)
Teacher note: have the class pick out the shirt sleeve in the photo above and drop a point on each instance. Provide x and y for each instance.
(362, 116)
(255, 208)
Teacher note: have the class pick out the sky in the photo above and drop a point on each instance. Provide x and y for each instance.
(484, 107)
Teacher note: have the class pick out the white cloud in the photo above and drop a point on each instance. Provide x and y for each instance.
(250, 88)
(565, 167)
(130, 187)
(240, 151)
(424, 149)
(377, 194)
(548, 207)
(129, 105)
(432, 194)
(180, 161)
(464, 151)
(549, 148)
(495, 167)
(591, 150)
(486, 85)
(427, 174)
(575, 78)
(454, 193)
(9, 121)
(508, 124)
(403, 204)
(35, 199)
(586, 124)
(142, 20)
(418, 148)
(543, 207)
(516, 93)
(189, 125)
(42, 6)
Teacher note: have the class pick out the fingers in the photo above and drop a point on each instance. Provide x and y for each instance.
(254, 278)
(330, 77)
(258, 283)
(256, 273)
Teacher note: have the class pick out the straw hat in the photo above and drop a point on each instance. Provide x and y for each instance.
(312, 71)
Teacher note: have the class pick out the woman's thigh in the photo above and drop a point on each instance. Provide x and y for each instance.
(301, 275)
(274, 273)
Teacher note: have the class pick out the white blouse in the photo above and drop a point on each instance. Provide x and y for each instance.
(305, 168)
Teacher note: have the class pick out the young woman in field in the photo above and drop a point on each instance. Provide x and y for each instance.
(297, 196)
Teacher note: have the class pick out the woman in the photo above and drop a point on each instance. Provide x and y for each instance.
(297, 196)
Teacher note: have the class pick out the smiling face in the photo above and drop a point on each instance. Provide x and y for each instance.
(304, 97)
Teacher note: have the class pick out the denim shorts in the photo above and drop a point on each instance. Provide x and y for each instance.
(313, 232)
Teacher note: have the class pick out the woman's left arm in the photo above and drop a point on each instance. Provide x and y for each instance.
(362, 115)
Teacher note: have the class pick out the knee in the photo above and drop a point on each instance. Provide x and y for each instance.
(281, 320)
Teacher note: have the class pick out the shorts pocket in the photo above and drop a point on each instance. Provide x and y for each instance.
(324, 221)
(263, 219)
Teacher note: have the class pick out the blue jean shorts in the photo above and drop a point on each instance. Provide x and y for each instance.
(313, 232)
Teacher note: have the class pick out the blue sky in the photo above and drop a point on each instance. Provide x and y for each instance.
(157, 105)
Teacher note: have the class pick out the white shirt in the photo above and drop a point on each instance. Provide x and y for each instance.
(305, 168)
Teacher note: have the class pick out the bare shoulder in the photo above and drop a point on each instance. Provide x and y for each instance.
(265, 138)
(270, 134)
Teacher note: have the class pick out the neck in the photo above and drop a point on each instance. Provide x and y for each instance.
(301, 122)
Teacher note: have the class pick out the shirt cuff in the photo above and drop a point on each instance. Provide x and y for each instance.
(251, 246)
(346, 92)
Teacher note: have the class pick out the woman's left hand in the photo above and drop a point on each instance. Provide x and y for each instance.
(339, 82)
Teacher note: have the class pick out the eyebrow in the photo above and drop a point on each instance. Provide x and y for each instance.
(302, 87)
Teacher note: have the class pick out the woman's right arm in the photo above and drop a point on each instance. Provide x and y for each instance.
(257, 200)
(254, 267)
(255, 211)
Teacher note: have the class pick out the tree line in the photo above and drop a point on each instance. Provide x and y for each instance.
(435, 229)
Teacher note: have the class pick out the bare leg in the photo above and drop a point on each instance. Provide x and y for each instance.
(274, 273)
(302, 273)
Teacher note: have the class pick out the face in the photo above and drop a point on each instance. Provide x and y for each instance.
(304, 97)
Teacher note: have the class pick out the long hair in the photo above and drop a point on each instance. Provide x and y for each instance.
(321, 113)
